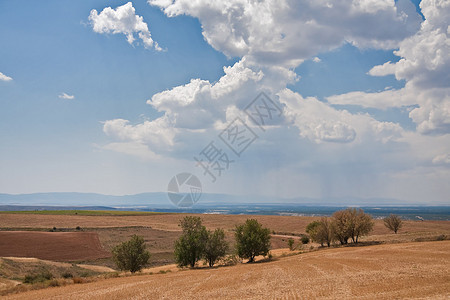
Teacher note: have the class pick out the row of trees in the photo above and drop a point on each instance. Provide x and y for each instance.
(252, 239)
(347, 224)
(196, 242)
(344, 225)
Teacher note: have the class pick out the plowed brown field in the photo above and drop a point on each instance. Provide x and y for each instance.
(389, 271)
(58, 246)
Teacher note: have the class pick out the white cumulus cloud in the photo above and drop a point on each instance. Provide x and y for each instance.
(4, 77)
(424, 64)
(66, 96)
(123, 20)
(286, 32)
(271, 37)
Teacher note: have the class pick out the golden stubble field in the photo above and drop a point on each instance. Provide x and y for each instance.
(161, 230)
(393, 268)
(169, 222)
(389, 271)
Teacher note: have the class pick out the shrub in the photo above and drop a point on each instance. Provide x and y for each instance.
(78, 280)
(230, 260)
(67, 275)
(252, 240)
(54, 282)
(86, 274)
(441, 237)
(39, 277)
(291, 244)
(304, 240)
(131, 255)
(78, 228)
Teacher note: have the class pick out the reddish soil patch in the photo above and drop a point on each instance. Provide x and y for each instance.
(57, 246)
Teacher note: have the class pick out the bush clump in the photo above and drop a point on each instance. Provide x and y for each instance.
(39, 277)
(304, 240)
(291, 244)
(67, 275)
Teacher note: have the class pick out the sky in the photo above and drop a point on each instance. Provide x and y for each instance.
(278, 98)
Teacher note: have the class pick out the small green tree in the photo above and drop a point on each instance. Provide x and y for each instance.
(321, 231)
(216, 246)
(393, 222)
(291, 244)
(190, 247)
(131, 255)
(252, 240)
(313, 230)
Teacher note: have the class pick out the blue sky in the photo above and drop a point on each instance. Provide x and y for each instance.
(83, 109)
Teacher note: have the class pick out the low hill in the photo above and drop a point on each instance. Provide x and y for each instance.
(408, 270)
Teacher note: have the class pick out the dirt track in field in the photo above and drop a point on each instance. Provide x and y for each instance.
(57, 246)
(408, 270)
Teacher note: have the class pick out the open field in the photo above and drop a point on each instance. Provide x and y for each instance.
(169, 222)
(409, 270)
(161, 230)
(57, 246)
(384, 270)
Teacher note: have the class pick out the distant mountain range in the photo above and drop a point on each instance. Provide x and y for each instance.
(160, 200)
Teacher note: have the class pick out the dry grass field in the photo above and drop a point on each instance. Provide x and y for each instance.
(392, 268)
(389, 271)
(161, 230)
(169, 222)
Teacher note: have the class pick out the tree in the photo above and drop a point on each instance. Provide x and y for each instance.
(351, 223)
(362, 224)
(131, 255)
(321, 231)
(312, 229)
(252, 240)
(216, 246)
(325, 233)
(190, 247)
(393, 222)
(341, 226)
